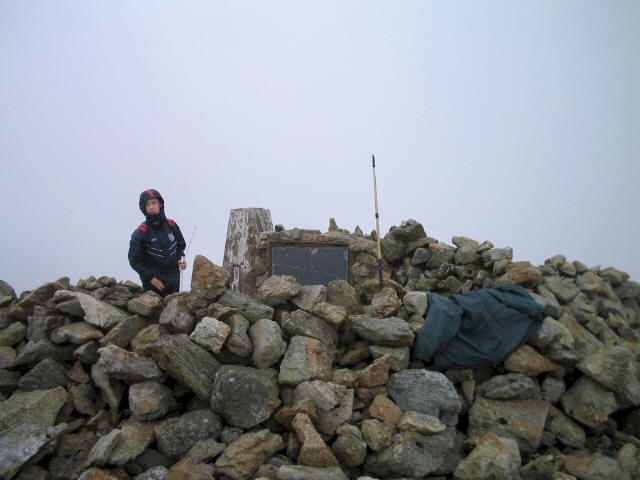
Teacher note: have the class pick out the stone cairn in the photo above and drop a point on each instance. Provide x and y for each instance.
(103, 381)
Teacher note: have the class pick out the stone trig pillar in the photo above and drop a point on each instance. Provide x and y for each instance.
(240, 251)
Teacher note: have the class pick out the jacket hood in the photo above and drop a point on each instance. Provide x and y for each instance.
(146, 195)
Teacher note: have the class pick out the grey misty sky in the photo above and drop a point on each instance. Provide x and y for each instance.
(510, 121)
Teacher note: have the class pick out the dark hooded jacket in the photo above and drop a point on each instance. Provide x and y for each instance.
(156, 246)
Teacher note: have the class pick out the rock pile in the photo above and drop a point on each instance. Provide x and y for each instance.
(100, 380)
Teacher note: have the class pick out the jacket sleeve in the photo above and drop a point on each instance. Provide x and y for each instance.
(137, 248)
(180, 239)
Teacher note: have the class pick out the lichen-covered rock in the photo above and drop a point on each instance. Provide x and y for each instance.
(208, 281)
(176, 436)
(426, 392)
(39, 407)
(522, 420)
(211, 334)
(249, 307)
(278, 289)
(150, 400)
(391, 331)
(305, 359)
(491, 458)
(177, 316)
(243, 457)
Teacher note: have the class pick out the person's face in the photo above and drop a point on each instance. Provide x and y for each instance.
(152, 206)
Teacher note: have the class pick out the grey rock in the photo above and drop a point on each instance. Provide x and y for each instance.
(111, 390)
(342, 294)
(82, 397)
(13, 334)
(332, 314)
(564, 290)
(185, 361)
(124, 332)
(268, 344)
(99, 313)
(8, 357)
(8, 380)
(87, 353)
(134, 439)
(154, 473)
(238, 341)
(567, 269)
(39, 407)
(552, 389)
(128, 366)
(549, 332)
(70, 307)
(421, 423)
(628, 289)
(150, 400)
(251, 309)
(243, 457)
(210, 333)
(439, 254)
(309, 296)
(331, 419)
(512, 386)
(245, 396)
(465, 256)
(76, 333)
(416, 302)
(390, 331)
(176, 436)
(33, 352)
(147, 305)
(398, 356)
(413, 455)
(493, 457)
(420, 256)
(21, 444)
(594, 467)
(565, 430)
(349, 448)
(302, 472)
(589, 403)
(300, 322)
(305, 359)
(177, 317)
(278, 289)
(613, 275)
(489, 257)
(426, 392)
(393, 248)
(7, 290)
(46, 375)
(522, 420)
(29, 300)
(43, 321)
(101, 450)
(377, 434)
(616, 369)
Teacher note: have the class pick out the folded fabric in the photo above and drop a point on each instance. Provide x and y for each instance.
(478, 328)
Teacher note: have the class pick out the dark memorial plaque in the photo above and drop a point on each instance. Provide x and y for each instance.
(311, 265)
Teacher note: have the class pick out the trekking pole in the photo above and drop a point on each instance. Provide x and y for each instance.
(375, 195)
(183, 257)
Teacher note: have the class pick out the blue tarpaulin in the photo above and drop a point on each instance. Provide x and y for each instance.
(478, 328)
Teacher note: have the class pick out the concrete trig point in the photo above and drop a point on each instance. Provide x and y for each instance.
(240, 249)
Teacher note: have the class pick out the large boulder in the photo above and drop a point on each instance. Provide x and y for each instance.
(185, 361)
(245, 396)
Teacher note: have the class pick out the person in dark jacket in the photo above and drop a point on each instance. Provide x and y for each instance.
(156, 250)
